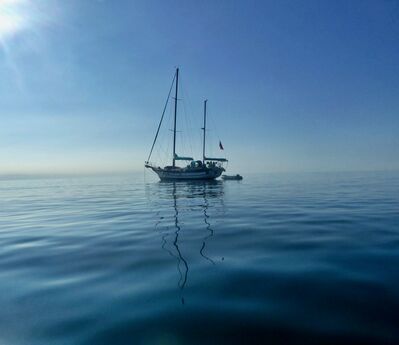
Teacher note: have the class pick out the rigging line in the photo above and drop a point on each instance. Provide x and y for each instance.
(213, 123)
(195, 124)
(180, 137)
(168, 139)
(163, 154)
(187, 120)
(160, 122)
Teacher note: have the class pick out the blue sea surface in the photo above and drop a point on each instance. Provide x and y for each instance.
(273, 259)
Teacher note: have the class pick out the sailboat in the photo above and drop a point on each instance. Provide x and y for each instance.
(205, 169)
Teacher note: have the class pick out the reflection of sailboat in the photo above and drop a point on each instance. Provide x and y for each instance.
(181, 260)
(208, 227)
(205, 169)
(188, 192)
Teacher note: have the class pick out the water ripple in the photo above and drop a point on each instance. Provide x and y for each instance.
(277, 259)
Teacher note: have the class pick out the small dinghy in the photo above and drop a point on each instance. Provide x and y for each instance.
(232, 177)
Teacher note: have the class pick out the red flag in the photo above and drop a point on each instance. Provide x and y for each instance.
(220, 145)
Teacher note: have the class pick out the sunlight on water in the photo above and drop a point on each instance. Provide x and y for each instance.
(284, 259)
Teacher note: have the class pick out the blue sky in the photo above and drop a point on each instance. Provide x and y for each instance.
(292, 85)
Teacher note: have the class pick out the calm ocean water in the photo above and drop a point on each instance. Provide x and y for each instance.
(276, 259)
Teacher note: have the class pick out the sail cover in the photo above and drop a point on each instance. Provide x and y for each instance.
(216, 159)
(183, 158)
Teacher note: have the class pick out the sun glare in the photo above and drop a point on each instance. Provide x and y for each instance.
(13, 17)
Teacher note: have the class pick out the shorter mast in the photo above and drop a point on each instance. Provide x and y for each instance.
(204, 129)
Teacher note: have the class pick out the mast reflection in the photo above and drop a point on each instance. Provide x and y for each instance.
(189, 200)
(181, 262)
(208, 228)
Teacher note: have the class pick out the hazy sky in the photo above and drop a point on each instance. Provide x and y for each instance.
(292, 85)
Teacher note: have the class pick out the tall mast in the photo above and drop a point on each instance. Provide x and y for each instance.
(174, 127)
(204, 129)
